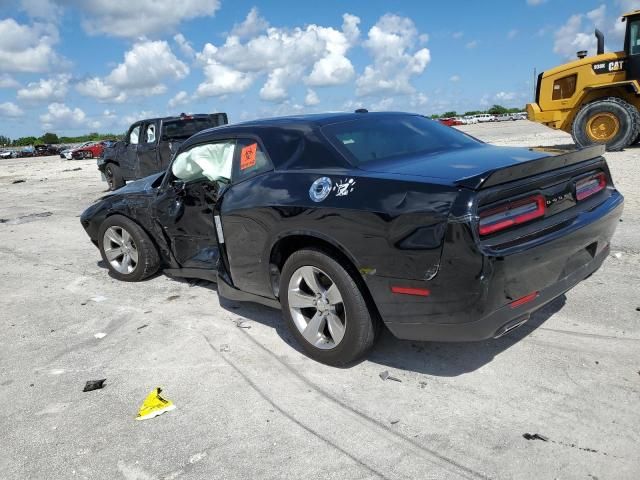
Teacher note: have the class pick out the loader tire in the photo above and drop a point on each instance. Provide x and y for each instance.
(610, 121)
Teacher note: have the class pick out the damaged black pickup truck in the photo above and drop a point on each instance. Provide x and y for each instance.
(149, 145)
(348, 222)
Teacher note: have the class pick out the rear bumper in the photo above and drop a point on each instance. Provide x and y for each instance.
(470, 296)
(500, 321)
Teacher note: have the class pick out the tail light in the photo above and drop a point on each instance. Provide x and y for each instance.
(590, 186)
(511, 214)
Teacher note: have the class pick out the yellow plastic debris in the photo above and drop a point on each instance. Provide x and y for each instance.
(154, 405)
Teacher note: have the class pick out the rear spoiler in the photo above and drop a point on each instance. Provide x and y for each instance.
(532, 167)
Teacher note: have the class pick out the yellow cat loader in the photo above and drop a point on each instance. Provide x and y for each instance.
(595, 99)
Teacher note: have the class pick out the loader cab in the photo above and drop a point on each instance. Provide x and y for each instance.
(632, 45)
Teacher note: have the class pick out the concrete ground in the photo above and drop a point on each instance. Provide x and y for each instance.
(251, 405)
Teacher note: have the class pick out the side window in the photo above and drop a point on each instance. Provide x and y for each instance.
(210, 161)
(134, 135)
(634, 37)
(150, 133)
(250, 160)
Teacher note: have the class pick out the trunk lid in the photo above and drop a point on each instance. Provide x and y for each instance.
(483, 165)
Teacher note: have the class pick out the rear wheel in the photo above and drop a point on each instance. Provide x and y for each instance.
(325, 309)
(610, 121)
(114, 176)
(127, 250)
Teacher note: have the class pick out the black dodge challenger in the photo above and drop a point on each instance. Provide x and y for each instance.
(353, 220)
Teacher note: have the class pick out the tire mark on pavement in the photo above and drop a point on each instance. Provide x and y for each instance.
(272, 402)
(396, 446)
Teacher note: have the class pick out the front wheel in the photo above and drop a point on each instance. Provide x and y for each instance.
(609, 121)
(127, 250)
(114, 176)
(325, 309)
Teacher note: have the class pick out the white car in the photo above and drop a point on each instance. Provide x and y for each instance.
(469, 119)
(485, 117)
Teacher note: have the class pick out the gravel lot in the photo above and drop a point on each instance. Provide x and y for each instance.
(251, 405)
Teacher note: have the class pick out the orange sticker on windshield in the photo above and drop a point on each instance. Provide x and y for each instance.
(248, 156)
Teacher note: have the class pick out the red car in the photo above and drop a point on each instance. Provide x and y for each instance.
(450, 122)
(93, 150)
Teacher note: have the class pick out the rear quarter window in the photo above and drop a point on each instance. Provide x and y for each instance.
(370, 139)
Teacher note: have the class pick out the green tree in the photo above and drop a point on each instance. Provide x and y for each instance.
(49, 138)
(25, 141)
(450, 114)
(497, 110)
(4, 141)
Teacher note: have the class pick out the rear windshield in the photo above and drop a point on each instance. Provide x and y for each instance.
(369, 139)
(184, 128)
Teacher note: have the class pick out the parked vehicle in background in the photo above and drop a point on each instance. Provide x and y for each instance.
(93, 150)
(485, 117)
(347, 220)
(8, 154)
(504, 117)
(450, 122)
(150, 144)
(68, 152)
(520, 116)
(470, 119)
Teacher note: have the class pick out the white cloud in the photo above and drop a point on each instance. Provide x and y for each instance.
(123, 18)
(184, 46)
(9, 109)
(97, 88)
(311, 98)
(284, 56)
(391, 42)
(253, 25)
(535, 2)
(457, 35)
(454, 78)
(180, 98)
(221, 80)
(577, 32)
(512, 33)
(472, 44)
(45, 90)
(61, 116)
(7, 81)
(145, 68)
(505, 96)
(41, 9)
(28, 48)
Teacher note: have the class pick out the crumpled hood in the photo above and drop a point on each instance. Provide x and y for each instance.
(139, 186)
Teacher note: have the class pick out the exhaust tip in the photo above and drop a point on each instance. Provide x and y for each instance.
(512, 325)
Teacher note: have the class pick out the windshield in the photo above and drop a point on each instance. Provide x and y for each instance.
(184, 128)
(382, 138)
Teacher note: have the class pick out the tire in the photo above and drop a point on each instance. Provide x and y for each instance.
(619, 124)
(127, 250)
(114, 176)
(342, 329)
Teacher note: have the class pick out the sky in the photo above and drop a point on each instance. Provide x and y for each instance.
(77, 66)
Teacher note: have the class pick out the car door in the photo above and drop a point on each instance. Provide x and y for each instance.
(197, 177)
(245, 234)
(148, 162)
(632, 47)
(129, 161)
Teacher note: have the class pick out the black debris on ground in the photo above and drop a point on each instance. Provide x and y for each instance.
(535, 436)
(142, 326)
(225, 348)
(385, 376)
(94, 385)
(25, 218)
(72, 169)
(18, 181)
(393, 422)
(172, 298)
